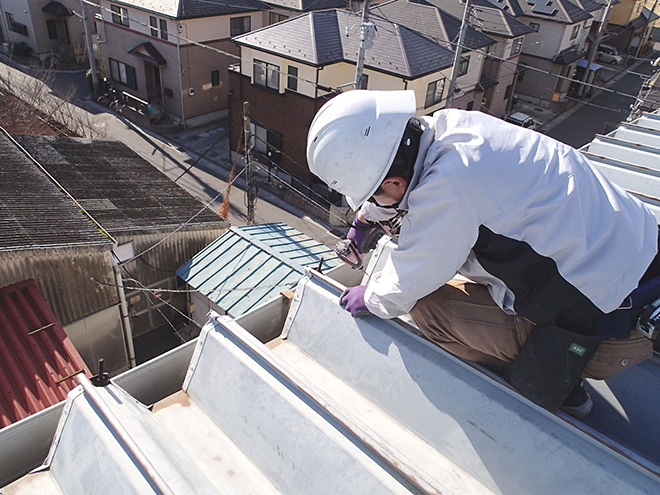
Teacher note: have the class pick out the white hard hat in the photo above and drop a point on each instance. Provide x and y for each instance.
(354, 137)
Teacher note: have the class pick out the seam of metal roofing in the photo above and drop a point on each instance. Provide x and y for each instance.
(451, 398)
(37, 360)
(251, 264)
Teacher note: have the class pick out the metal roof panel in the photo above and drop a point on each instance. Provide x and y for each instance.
(37, 359)
(252, 264)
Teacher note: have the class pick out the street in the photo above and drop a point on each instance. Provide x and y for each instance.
(602, 113)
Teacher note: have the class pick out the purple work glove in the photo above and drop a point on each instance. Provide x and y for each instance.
(352, 299)
(357, 233)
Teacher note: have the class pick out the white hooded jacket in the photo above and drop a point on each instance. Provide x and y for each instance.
(519, 212)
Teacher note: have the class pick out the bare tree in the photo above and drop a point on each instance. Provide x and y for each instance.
(29, 106)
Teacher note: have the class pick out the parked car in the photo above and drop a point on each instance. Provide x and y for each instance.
(521, 119)
(608, 55)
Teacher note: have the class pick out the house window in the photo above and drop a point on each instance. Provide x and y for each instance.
(292, 79)
(434, 92)
(119, 15)
(576, 30)
(267, 75)
(163, 29)
(274, 18)
(215, 78)
(535, 26)
(239, 25)
(52, 29)
(154, 24)
(17, 27)
(122, 73)
(463, 67)
(516, 46)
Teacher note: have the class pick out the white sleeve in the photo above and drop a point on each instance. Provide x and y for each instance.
(375, 213)
(436, 239)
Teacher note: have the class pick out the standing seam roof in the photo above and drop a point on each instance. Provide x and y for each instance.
(252, 264)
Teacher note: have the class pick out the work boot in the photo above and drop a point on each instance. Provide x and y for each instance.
(578, 403)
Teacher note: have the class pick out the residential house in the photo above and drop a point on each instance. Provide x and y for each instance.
(76, 211)
(439, 19)
(557, 43)
(52, 28)
(285, 9)
(631, 24)
(290, 69)
(174, 53)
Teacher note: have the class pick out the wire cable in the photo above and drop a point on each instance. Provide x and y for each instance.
(238, 121)
(183, 224)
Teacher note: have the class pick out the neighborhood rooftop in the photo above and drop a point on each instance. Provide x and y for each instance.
(319, 38)
(189, 9)
(432, 21)
(115, 185)
(557, 10)
(34, 212)
(485, 16)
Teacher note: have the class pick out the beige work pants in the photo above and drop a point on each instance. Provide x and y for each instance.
(462, 318)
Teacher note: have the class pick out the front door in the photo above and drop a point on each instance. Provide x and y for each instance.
(153, 83)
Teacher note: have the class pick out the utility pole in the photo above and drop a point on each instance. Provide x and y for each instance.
(458, 51)
(594, 47)
(90, 49)
(249, 178)
(646, 28)
(366, 42)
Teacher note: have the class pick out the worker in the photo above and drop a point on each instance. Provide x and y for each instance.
(546, 249)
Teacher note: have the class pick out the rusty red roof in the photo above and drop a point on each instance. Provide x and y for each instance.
(37, 359)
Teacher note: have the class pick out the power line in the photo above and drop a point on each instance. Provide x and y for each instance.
(208, 149)
(183, 224)
(144, 288)
(202, 45)
(481, 52)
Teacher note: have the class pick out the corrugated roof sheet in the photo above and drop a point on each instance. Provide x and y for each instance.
(34, 212)
(37, 359)
(252, 264)
(319, 38)
(119, 188)
(630, 157)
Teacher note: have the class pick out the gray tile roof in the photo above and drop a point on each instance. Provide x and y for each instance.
(120, 189)
(34, 212)
(319, 38)
(431, 20)
(308, 5)
(563, 11)
(494, 21)
(190, 9)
